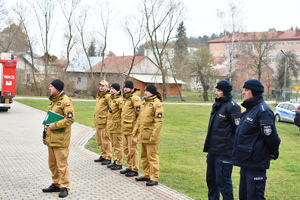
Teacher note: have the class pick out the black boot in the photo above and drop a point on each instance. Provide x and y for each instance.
(116, 167)
(111, 165)
(140, 178)
(51, 188)
(125, 171)
(151, 183)
(63, 193)
(100, 159)
(106, 162)
(132, 174)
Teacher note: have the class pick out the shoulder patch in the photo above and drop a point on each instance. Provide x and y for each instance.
(70, 115)
(67, 104)
(267, 130)
(237, 121)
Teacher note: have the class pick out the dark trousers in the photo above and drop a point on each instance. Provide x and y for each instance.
(252, 184)
(218, 177)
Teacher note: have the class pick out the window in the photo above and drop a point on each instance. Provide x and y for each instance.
(280, 44)
(271, 46)
(27, 78)
(290, 43)
(292, 107)
(78, 80)
(297, 43)
(285, 106)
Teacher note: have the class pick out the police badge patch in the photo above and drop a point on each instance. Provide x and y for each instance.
(267, 130)
(237, 121)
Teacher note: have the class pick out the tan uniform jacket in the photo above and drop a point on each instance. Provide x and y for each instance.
(114, 113)
(61, 104)
(130, 111)
(100, 116)
(150, 120)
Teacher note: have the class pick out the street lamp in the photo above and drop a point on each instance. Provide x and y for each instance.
(285, 66)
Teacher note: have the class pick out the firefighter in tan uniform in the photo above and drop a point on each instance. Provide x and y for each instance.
(130, 112)
(58, 142)
(100, 120)
(114, 125)
(148, 127)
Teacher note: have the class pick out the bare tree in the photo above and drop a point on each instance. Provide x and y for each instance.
(22, 14)
(259, 50)
(3, 12)
(200, 61)
(232, 23)
(85, 40)
(69, 8)
(81, 27)
(161, 19)
(287, 67)
(172, 68)
(12, 38)
(104, 12)
(136, 33)
(44, 11)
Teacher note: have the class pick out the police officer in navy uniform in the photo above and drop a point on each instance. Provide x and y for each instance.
(256, 142)
(224, 119)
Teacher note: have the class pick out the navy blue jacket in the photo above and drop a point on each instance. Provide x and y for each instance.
(256, 138)
(224, 118)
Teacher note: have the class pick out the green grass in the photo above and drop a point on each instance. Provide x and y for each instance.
(182, 161)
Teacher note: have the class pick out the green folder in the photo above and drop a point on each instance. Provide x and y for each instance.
(53, 117)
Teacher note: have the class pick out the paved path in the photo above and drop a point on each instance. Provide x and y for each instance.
(24, 169)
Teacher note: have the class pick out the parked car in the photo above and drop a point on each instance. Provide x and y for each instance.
(286, 111)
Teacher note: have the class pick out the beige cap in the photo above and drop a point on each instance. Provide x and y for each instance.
(103, 83)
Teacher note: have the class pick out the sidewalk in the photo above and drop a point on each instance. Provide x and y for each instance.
(24, 169)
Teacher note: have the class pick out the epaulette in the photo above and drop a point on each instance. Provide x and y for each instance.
(232, 102)
(262, 107)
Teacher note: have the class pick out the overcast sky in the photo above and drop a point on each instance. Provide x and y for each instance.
(201, 19)
(259, 15)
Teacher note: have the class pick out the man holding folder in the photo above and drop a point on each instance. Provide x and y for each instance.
(57, 138)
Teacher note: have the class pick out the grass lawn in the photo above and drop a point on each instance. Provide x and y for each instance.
(182, 161)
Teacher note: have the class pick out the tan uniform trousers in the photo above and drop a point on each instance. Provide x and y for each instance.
(116, 141)
(131, 151)
(58, 165)
(104, 143)
(150, 161)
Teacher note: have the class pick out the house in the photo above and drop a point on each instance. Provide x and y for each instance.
(77, 68)
(144, 71)
(141, 81)
(33, 68)
(276, 42)
(279, 40)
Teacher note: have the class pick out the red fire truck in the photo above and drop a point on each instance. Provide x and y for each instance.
(8, 64)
